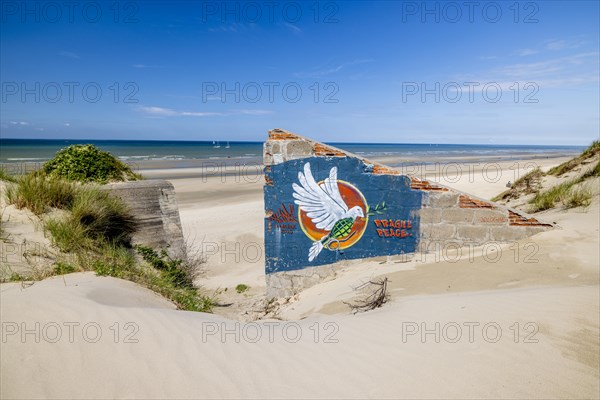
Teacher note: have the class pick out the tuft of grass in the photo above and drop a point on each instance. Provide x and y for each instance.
(549, 198)
(68, 235)
(103, 217)
(592, 150)
(116, 261)
(174, 280)
(564, 193)
(567, 166)
(171, 268)
(96, 217)
(63, 268)
(527, 184)
(38, 193)
(87, 163)
(579, 197)
(5, 176)
(241, 288)
(591, 173)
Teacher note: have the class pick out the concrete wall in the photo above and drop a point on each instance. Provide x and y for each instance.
(154, 206)
(393, 214)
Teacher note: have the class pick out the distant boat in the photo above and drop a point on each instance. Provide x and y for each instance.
(228, 146)
(216, 145)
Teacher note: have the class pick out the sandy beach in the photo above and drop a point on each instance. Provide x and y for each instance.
(524, 324)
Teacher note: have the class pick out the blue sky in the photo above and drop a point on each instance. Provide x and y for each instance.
(405, 72)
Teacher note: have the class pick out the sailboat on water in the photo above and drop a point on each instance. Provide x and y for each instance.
(228, 146)
(216, 144)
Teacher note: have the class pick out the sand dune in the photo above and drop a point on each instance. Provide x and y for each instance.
(526, 325)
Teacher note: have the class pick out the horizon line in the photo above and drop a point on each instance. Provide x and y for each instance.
(327, 142)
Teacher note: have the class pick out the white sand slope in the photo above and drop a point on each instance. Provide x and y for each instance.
(188, 355)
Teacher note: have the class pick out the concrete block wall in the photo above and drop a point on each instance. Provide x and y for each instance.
(451, 216)
(154, 206)
(442, 215)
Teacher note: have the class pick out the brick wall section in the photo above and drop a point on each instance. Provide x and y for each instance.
(469, 202)
(322, 150)
(417, 184)
(459, 218)
(278, 134)
(519, 220)
(284, 146)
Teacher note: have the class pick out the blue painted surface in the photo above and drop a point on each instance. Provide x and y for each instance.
(287, 245)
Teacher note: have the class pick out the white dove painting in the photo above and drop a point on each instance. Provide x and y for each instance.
(324, 205)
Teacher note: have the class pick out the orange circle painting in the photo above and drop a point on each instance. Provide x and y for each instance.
(353, 198)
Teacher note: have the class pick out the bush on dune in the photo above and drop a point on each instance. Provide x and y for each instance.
(86, 163)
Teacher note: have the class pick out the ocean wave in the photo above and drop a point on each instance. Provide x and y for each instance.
(27, 159)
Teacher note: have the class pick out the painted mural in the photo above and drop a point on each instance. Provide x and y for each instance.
(323, 210)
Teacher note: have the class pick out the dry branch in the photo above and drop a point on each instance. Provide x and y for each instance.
(376, 299)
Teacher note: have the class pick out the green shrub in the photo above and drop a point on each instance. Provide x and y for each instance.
(86, 163)
(174, 280)
(63, 268)
(116, 261)
(38, 193)
(241, 288)
(171, 268)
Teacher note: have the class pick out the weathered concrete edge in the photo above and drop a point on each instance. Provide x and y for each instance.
(154, 206)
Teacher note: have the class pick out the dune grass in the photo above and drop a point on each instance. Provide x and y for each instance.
(103, 217)
(39, 193)
(527, 184)
(96, 230)
(578, 197)
(565, 193)
(175, 280)
(6, 177)
(567, 166)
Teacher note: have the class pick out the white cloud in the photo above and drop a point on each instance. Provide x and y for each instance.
(19, 123)
(293, 28)
(544, 68)
(167, 112)
(563, 44)
(331, 69)
(68, 54)
(255, 112)
(526, 52)
(146, 66)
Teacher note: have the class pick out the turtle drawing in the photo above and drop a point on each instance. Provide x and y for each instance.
(323, 204)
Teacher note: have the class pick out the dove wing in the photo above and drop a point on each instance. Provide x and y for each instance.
(322, 204)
